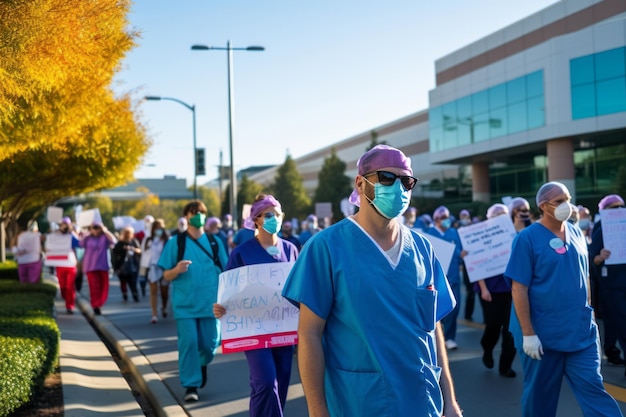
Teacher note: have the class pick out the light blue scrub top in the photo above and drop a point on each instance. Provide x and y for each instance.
(557, 288)
(195, 291)
(379, 340)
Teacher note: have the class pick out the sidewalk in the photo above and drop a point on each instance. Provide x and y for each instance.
(92, 381)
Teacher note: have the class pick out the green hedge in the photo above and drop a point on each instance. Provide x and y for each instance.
(29, 337)
(8, 270)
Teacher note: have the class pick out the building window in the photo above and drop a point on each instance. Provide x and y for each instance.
(598, 83)
(504, 109)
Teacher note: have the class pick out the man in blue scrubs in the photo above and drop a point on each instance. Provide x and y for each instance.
(371, 293)
(553, 327)
(194, 290)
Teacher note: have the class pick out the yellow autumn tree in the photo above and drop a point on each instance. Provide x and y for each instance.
(62, 130)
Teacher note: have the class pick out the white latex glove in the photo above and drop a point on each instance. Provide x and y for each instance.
(532, 347)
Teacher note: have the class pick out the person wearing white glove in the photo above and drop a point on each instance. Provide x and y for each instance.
(553, 325)
(532, 347)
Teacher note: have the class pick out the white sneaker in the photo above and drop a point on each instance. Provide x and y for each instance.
(153, 319)
(451, 344)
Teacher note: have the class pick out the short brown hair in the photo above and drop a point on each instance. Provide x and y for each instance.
(193, 207)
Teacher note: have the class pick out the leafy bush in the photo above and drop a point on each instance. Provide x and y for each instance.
(8, 270)
(29, 337)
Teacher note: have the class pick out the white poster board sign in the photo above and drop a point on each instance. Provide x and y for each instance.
(257, 316)
(488, 244)
(87, 217)
(324, 210)
(443, 249)
(54, 214)
(614, 234)
(59, 250)
(120, 222)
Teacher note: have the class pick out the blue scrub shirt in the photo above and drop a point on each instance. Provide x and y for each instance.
(379, 340)
(557, 288)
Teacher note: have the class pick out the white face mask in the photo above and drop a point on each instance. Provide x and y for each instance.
(563, 211)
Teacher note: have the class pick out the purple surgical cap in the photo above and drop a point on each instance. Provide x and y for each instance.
(496, 210)
(66, 220)
(464, 213)
(550, 190)
(259, 207)
(383, 156)
(211, 221)
(518, 202)
(441, 211)
(380, 156)
(609, 200)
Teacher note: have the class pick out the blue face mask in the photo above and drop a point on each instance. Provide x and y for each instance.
(390, 200)
(272, 225)
(446, 223)
(158, 233)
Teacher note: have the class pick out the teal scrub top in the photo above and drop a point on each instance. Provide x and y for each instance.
(379, 340)
(556, 276)
(195, 291)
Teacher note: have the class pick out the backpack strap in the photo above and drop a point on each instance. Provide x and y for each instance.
(182, 240)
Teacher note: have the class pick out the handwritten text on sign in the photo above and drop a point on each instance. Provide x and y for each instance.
(256, 316)
(614, 234)
(489, 247)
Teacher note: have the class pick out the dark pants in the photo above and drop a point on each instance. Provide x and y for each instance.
(270, 370)
(497, 313)
(613, 302)
(128, 281)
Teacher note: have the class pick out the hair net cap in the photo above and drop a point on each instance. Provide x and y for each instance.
(609, 200)
(380, 156)
(518, 202)
(440, 212)
(148, 219)
(496, 210)
(212, 221)
(259, 207)
(550, 190)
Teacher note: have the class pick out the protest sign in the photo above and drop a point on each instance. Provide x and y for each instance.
(257, 316)
(54, 214)
(87, 217)
(488, 244)
(59, 250)
(614, 234)
(444, 250)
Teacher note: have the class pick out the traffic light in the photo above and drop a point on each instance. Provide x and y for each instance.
(200, 165)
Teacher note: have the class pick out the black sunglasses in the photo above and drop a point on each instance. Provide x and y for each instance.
(388, 178)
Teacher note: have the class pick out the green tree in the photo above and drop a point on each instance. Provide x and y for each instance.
(374, 140)
(210, 199)
(333, 184)
(248, 190)
(289, 190)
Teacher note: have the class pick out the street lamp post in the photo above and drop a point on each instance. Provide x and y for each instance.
(231, 115)
(193, 111)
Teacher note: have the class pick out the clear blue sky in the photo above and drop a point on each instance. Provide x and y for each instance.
(331, 70)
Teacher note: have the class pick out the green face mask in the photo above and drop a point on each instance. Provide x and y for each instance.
(197, 220)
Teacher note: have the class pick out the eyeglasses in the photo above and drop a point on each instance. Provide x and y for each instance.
(389, 178)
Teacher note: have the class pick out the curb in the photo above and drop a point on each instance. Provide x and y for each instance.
(161, 400)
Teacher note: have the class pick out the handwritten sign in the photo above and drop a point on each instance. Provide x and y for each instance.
(257, 316)
(488, 244)
(444, 250)
(614, 234)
